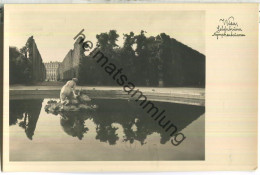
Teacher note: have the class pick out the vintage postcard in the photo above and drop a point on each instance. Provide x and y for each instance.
(130, 87)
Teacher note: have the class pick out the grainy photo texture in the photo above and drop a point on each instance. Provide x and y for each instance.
(117, 86)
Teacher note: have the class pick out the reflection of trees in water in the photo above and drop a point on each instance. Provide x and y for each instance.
(73, 123)
(28, 111)
(107, 134)
(127, 114)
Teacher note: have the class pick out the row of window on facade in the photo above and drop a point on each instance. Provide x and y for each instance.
(51, 70)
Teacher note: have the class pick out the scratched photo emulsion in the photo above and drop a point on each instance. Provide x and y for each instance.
(91, 85)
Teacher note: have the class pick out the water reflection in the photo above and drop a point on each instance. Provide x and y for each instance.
(73, 123)
(28, 112)
(136, 124)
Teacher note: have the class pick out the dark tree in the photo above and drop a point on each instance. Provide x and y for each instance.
(147, 61)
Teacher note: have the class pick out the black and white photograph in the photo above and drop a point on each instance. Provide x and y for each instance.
(92, 85)
(130, 87)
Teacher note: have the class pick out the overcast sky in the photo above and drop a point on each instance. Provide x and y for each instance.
(54, 27)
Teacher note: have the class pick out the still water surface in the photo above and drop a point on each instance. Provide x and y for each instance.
(117, 130)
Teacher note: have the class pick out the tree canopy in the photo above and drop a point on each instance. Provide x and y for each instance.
(148, 61)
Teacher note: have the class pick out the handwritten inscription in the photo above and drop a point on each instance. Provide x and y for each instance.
(228, 28)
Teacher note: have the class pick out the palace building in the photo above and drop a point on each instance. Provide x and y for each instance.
(51, 70)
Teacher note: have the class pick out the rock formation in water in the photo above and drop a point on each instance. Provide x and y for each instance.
(81, 103)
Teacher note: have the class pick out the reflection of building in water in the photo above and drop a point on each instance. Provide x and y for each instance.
(27, 112)
(51, 70)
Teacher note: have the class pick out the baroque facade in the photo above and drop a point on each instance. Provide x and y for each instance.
(52, 70)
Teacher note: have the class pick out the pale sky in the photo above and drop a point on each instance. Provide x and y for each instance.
(54, 27)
